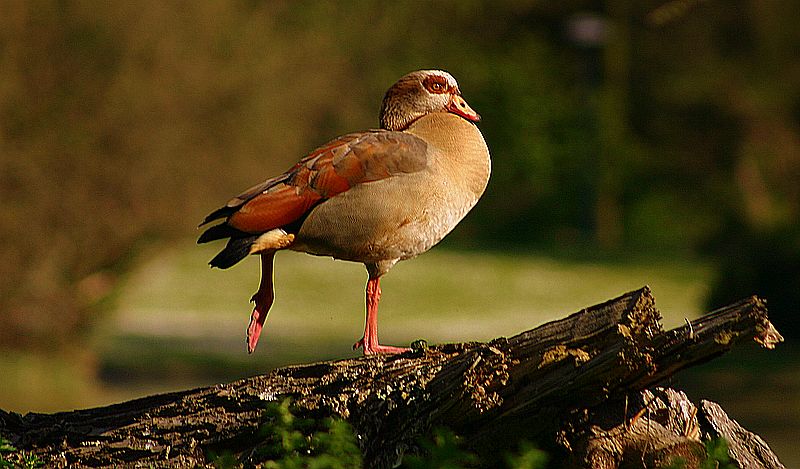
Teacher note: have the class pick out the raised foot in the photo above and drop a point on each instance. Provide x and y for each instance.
(257, 318)
(378, 348)
(263, 300)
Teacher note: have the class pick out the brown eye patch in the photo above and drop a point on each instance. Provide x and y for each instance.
(436, 84)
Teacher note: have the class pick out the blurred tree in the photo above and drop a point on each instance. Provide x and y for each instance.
(118, 125)
(123, 124)
(763, 262)
(728, 99)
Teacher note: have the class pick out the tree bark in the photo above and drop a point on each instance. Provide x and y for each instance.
(577, 387)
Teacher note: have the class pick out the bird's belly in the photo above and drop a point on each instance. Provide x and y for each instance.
(385, 220)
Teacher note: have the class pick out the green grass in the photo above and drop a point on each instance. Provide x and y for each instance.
(440, 296)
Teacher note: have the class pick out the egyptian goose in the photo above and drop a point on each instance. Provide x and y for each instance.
(375, 197)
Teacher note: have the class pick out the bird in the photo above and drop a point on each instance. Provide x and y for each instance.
(374, 197)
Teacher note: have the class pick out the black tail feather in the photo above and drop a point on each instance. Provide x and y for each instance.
(220, 231)
(236, 250)
(223, 212)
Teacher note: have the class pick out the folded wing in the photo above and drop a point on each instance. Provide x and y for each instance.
(285, 200)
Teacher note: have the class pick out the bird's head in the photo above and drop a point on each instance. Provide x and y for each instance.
(420, 93)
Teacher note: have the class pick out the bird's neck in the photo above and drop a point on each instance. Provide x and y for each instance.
(459, 149)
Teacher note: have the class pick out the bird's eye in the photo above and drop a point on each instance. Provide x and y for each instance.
(435, 84)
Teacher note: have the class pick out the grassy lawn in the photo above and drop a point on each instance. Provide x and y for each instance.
(441, 296)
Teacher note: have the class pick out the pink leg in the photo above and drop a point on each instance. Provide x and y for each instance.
(370, 340)
(263, 300)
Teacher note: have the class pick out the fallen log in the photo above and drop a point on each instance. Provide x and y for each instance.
(577, 387)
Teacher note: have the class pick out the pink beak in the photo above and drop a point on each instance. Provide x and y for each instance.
(458, 106)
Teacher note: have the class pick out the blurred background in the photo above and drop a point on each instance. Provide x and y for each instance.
(634, 142)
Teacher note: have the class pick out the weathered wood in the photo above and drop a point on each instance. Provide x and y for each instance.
(746, 448)
(544, 385)
(648, 428)
(652, 428)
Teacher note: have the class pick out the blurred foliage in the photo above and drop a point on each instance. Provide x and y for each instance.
(441, 450)
(620, 125)
(5, 449)
(766, 262)
(10, 456)
(291, 442)
(288, 441)
(717, 455)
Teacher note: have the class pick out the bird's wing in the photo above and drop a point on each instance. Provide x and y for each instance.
(329, 170)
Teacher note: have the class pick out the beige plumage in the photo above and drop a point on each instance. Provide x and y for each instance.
(375, 197)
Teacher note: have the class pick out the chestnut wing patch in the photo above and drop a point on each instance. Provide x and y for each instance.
(329, 170)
